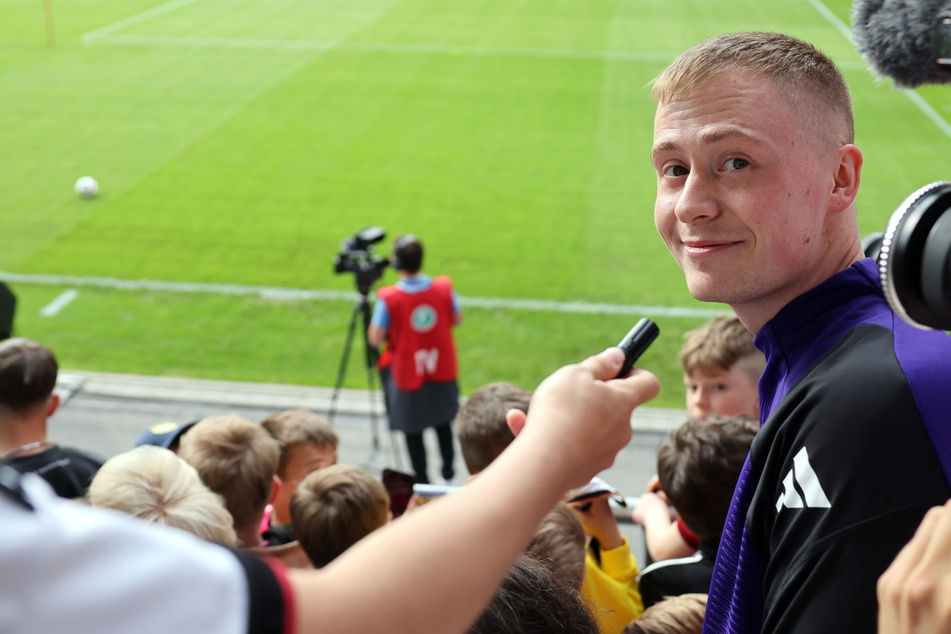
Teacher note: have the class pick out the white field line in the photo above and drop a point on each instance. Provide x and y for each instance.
(833, 19)
(392, 47)
(287, 294)
(373, 47)
(136, 19)
(930, 112)
(59, 303)
(915, 98)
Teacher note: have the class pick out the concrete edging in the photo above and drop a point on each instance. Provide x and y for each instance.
(274, 396)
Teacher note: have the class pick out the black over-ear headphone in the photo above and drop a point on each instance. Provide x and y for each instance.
(401, 244)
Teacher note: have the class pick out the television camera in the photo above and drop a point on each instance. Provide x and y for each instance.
(356, 256)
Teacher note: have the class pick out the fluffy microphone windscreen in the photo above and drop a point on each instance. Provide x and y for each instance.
(897, 39)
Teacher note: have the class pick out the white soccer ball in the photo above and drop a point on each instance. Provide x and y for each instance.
(87, 186)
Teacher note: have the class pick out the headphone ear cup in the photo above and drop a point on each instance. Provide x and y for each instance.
(398, 252)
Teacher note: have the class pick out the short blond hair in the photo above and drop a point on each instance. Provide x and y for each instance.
(719, 344)
(155, 485)
(292, 427)
(334, 508)
(796, 68)
(237, 459)
(681, 614)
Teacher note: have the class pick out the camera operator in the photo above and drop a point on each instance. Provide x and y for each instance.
(418, 368)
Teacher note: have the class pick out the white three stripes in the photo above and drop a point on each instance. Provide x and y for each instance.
(803, 475)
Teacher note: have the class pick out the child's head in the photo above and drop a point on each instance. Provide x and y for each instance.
(721, 369)
(681, 614)
(27, 374)
(532, 601)
(559, 542)
(480, 424)
(308, 442)
(237, 459)
(155, 485)
(698, 465)
(334, 508)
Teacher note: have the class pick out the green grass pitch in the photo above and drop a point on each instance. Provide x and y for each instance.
(239, 142)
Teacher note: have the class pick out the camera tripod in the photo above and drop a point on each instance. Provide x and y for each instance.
(361, 308)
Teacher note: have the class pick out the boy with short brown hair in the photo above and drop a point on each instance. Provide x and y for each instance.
(334, 508)
(481, 427)
(308, 442)
(698, 465)
(560, 543)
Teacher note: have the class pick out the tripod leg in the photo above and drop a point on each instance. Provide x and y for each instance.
(370, 359)
(342, 371)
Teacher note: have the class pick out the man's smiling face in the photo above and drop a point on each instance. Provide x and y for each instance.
(742, 191)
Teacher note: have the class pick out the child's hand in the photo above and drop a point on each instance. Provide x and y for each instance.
(650, 506)
(653, 486)
(914, 594)
(598, 521)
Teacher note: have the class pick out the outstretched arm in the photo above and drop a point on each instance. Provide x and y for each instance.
(435, 569)
(660, 533)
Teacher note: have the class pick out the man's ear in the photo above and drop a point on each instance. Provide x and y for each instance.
(276, 485)
(52, 405)
(846, 178)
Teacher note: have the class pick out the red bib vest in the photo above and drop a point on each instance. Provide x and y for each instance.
(420, 346)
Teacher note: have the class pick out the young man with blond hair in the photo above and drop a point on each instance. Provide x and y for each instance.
(237, 459)
(757, 174)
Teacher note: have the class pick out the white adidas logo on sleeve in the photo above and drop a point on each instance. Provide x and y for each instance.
(801, 486)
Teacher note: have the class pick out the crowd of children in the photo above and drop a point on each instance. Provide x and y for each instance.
(274, 488)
